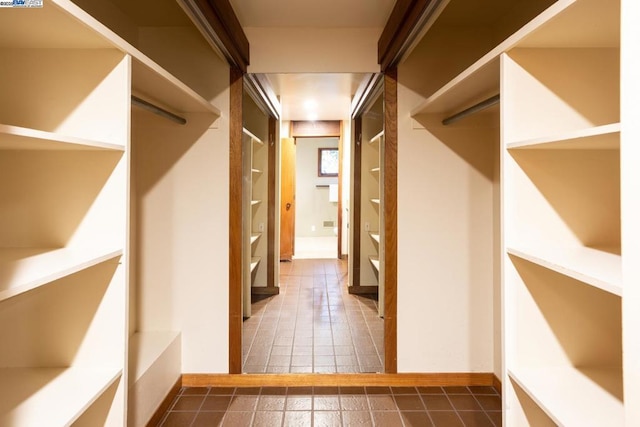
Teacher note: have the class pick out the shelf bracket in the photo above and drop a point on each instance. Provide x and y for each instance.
(472, 110)
(138, 102)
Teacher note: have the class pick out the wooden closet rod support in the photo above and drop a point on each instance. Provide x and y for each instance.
(471, 110)
(157, 110)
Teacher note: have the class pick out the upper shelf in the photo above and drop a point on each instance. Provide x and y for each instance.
(560, 25)
(252, 136)
(20, 138)
(61, 24)
(376, 138)
(606, 137)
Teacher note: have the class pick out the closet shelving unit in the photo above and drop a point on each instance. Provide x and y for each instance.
(374, 170)
(64, 134)
(63, 168)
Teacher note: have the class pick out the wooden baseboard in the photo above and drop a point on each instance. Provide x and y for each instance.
(324, 380)
(497, 384)
(265, 290)
(166, 403)
(363, 290)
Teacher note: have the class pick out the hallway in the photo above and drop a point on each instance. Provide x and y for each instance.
(313, 325)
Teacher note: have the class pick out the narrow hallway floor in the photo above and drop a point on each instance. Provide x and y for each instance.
(314, 324)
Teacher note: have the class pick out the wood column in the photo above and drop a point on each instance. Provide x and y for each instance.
(271, 208)
(357, 200)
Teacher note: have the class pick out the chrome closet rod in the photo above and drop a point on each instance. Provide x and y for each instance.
(473, 109)
(138, 102)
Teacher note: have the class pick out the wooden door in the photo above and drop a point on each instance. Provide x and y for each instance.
(287, 198)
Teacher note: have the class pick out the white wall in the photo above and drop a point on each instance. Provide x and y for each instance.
(445, 242)
(312, 203)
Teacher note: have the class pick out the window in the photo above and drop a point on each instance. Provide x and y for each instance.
(328, 162)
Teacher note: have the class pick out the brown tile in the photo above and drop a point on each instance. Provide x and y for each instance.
(221, 391)
(352, 390)
(323, 350)
(430, 390)
(357, 418)
(279, 360)
(267, 419)
(436, 402)
(179, 419)
(409, 402)
(297, 419)
(326, 390)
(206, 419)
(235, 419)
(386, 419)
(274, 391)
(195, 391)
(300, 391)
(326, 419)
(404, 390)
(301, 369)
(483, 389)
(490, 403)
(456, 390)
(416, 419)
(306, 360)
(475, 419)
(326, 403)
(299, 403)
(346, 360)
(464, 402)
(281, 350)
(382, 403)
(496, 417)
(324, 360)
(271, 403)
(247, 391)
(378, 390)
(325, 369)
(302, 350)
(188, 403)
(354, 403)
(216, 403)
(445, 419)
(243, 403)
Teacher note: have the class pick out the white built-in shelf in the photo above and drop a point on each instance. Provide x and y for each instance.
(597, 268)
(481, 79)
(255, 202)
(606, 137)
(375, 236)
(254, 262)
(375, 261)
(252, 136)
(375, 170)
(255, 237)
(145, 349)
(377, 137)
(256, 171)
(50, 396)
(62, 24)
(375, 201)
(575, 397)
(20, 138)
(24, 269)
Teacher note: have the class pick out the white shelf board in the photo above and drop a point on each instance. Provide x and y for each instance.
(375, 261)
(252, 136)
(375, 170)
(376, 137)
(254, 262)
(597, 268)
(20, 138)
(24, 269)
(255, 202)
(575, 397)
(606, 137)
(482, 78)
(255, 237)
(375, 236)
(256, 171)
(145, 348)
(33, 397)
(376, 201)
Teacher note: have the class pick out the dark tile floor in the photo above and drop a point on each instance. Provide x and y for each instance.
(314, 324)
(335, 406)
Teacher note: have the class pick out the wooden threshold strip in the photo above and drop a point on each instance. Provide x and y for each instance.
(325, 380)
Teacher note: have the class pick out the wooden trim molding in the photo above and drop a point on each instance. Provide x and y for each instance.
(327, 380)
(340, 189)
(217, 20)
(235, 221)
(390, 165)
(265, 290)
(165, 404)
(363, 290)
(271, 206)
(497, 384)
(357, 200)
(404, 21)
(317, 129)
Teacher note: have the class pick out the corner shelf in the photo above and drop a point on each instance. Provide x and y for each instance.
(375, 262)
(605, 137)
(26, 401)
(254, 263)
(255, 202)
(571, 397)
(375, 237)
(20, 138)
(375, 201)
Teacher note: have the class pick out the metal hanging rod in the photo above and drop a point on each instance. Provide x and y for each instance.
(471, 110)
(138, 102)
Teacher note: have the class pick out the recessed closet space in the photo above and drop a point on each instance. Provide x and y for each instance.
(449, 199)
(562, 200)
(63, 186)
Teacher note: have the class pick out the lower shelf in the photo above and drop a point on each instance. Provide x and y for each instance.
(375, 262)
(50, 396)
(575, 397)
(254, 262)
